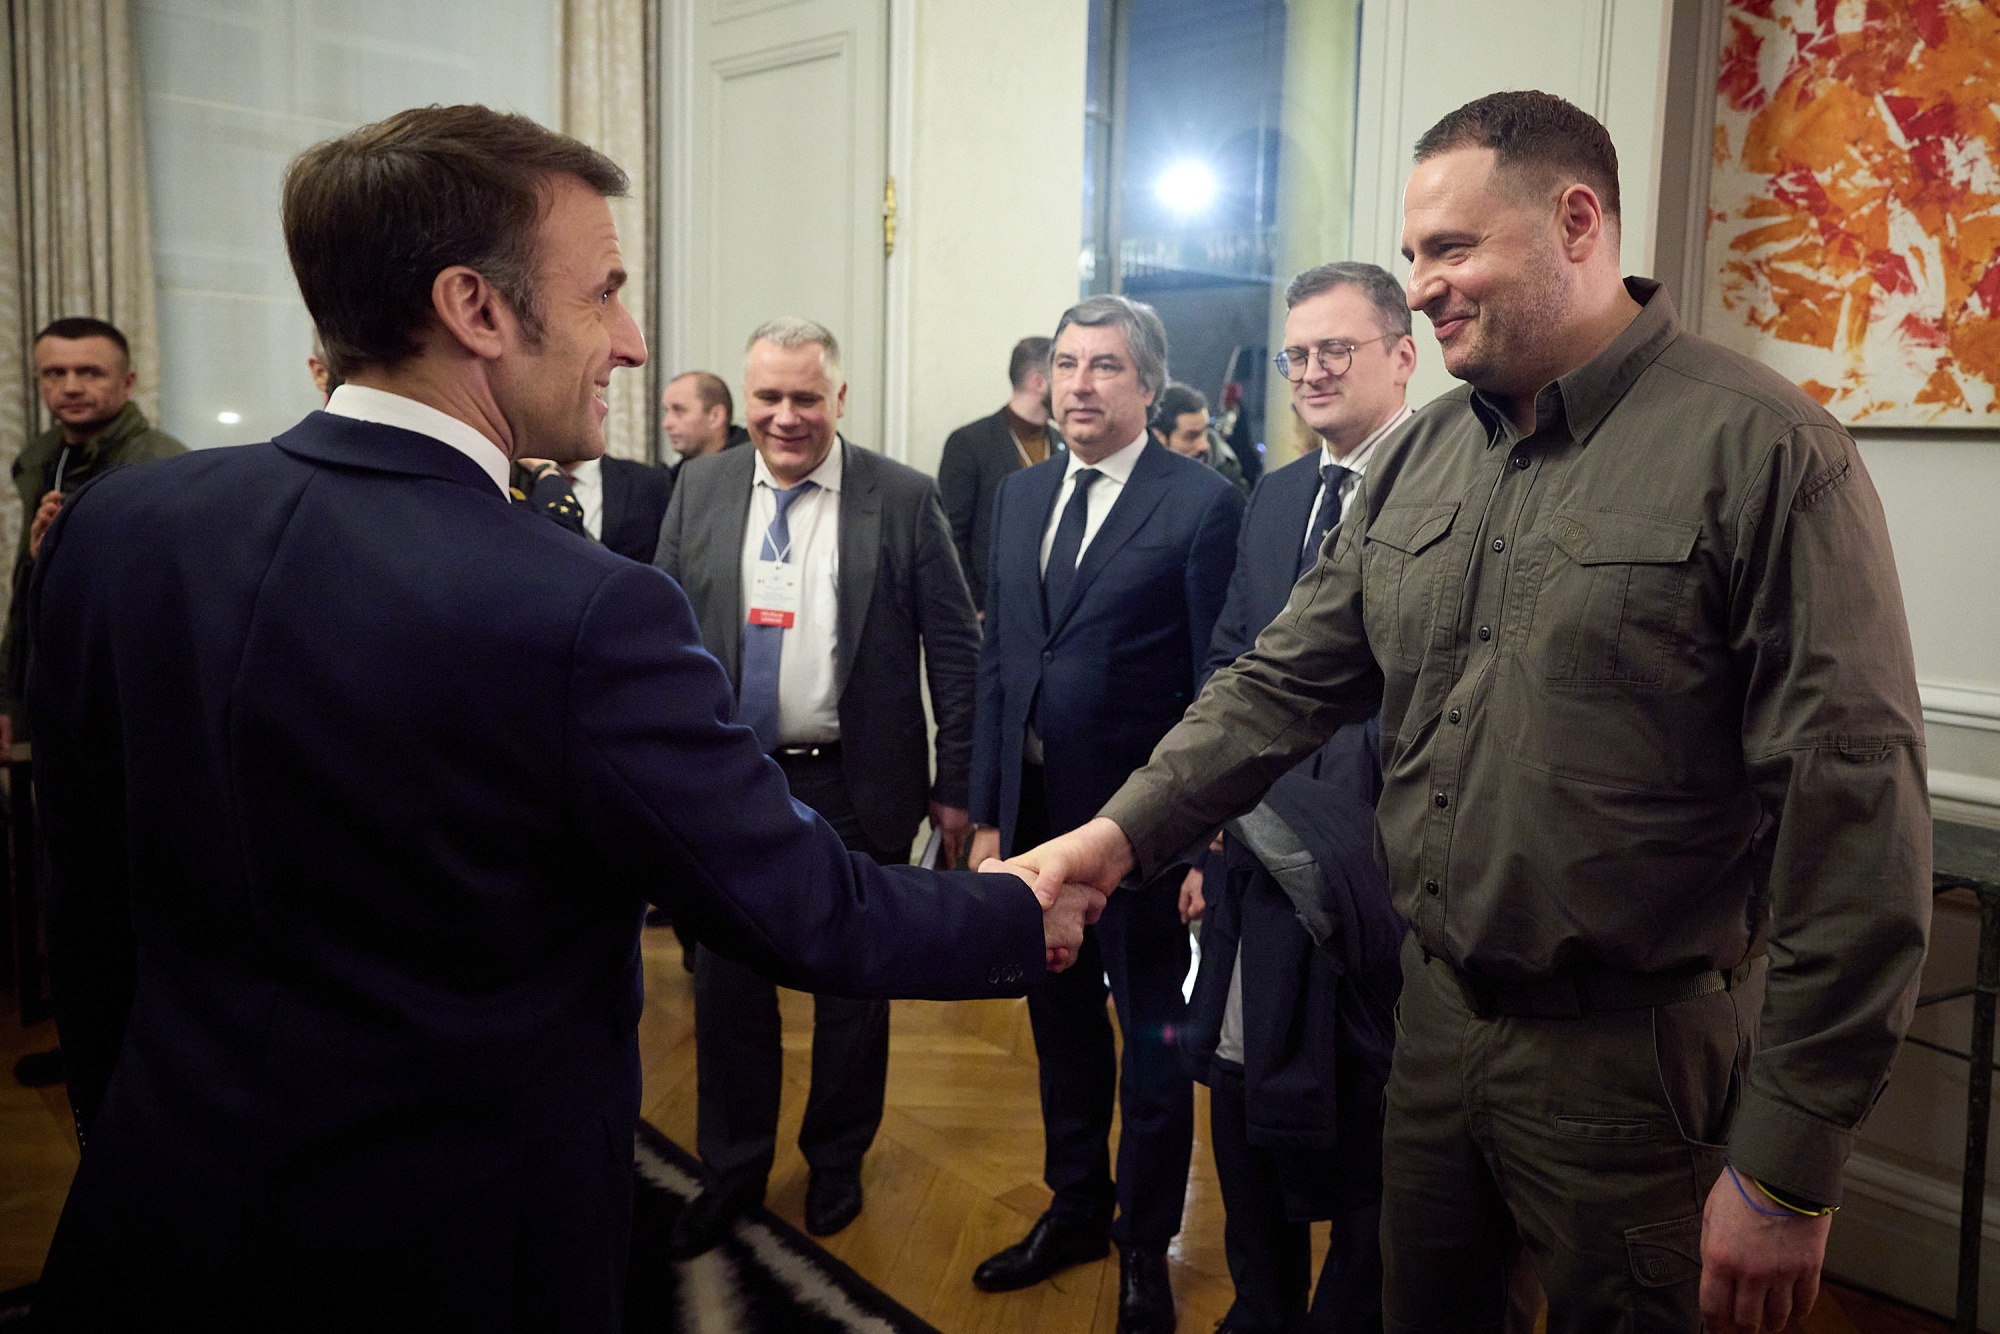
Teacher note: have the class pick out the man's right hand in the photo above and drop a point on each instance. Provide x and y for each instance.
(1096, 854)
(1063, 918)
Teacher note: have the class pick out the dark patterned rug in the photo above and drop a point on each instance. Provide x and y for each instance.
(768, 1278)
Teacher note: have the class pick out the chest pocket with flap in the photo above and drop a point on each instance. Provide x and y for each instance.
(1612, 605)
(1404, 562)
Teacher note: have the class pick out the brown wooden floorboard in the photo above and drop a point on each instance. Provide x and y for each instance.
(955, 1173)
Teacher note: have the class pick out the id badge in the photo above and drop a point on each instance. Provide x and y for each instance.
(774, 594)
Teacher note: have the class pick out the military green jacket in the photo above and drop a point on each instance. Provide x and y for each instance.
(129, 439)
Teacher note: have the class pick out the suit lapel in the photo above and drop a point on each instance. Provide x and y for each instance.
(1294, 513)
(1142, 494)
(727, 521)
(615, 483)
(1040, 486)
(860, 553)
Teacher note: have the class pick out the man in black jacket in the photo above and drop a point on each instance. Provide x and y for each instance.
(1290, 1023)
(979, 455)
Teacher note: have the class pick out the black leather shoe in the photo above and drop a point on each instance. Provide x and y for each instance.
(833, 1200)
(1145, 1298)
(705, 1222)
(1052, 1245)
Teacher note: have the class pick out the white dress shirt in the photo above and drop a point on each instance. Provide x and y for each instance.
(1103, 494)
(586, 483)
(1357, 464)
(386, 409)
(808, 708)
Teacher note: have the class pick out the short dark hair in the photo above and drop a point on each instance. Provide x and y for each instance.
(1175, 402)
(1392, 306)
(1031, 354)
(712, 391)
(86, 326)
(372, 218)
(1145, 336)
(1536, 134)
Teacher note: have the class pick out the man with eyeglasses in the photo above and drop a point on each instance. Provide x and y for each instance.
(1289, 1024)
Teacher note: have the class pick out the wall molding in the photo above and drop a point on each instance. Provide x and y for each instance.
(1898, 1233)
(1960, 706)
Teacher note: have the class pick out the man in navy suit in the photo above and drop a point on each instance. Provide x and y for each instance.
(356, 778)
(1290, 1022)
(618, 502)
(1108, 568)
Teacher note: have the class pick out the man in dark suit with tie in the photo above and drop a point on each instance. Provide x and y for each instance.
(1290, 1022)
(823, 577)
(355, 779)
(982, 454)
(1109, 566)
(618, 502)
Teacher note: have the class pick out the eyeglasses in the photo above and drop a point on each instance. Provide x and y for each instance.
(1335, 356)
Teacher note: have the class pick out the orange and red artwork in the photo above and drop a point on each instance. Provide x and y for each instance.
(1854, 204)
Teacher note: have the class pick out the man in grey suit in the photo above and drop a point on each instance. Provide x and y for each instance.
(825, 579)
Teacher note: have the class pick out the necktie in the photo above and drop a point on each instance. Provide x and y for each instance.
(1332, 478)
(1060, 576)
(763, 645)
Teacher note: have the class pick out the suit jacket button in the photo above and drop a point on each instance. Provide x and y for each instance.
(993, 976)
(1048, 655)
(1013, 973)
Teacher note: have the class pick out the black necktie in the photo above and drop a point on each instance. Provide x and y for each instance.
(1332, 477)
(1060, 574)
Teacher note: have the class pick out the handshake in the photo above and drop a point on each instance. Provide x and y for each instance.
(1071, 875)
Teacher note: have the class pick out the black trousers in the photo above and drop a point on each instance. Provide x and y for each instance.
(1269, 1252)
(739, 1058)
(1141, 946)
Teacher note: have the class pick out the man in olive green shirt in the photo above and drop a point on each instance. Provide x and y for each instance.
(1654, 792)
(83, 368)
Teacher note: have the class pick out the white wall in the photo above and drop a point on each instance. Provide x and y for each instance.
(992, 205)
(233, 90)
(1423, 58)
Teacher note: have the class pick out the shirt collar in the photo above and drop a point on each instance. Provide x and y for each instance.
(587, 473)
(826, 477)
(1357, 462)
(1582, 398)
(363, 404)
(1118, 467)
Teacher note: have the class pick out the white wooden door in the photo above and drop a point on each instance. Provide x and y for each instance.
(785, 130)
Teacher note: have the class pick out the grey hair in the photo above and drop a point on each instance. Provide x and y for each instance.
(1145, 336)
(793, 331)
(1373, 281)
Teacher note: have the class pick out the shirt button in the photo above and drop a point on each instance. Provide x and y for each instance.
(1431, 888)
(1499, 544)
(1441, 800)
(1455, 715)
(1486, 632)
(1520, 460)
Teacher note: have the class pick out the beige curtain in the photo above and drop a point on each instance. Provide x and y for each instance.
(609, 102)
(74, 237)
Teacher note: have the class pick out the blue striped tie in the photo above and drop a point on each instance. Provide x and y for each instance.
(763, 645)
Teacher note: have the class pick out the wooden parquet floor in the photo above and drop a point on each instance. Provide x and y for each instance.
(954, 1175)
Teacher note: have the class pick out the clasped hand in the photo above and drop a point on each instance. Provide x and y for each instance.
(1071, 876)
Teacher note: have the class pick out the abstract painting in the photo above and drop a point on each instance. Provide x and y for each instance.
(1854, 205)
